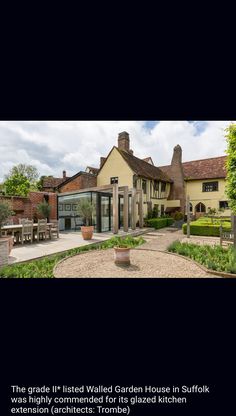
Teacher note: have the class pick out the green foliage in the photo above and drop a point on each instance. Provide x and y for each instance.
(29, 171)
(178, 216)
(158, 223)
(5, 213)
(86, 209)
(39, 183)
(155, 211)
(18, 185)
(204, 227)
(43, 268)
(44, 209)
(212, 257)
(231, 166)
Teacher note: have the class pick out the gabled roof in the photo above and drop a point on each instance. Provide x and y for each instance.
(211, 168)
(74, 177)
(53, 182)
(142, 168)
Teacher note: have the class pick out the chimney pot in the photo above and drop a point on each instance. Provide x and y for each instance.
(64, 174)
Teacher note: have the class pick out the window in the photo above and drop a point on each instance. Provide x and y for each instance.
(144, 186)
(200, 207)
(210, 186)
(163, 186)
(223, 205)
(156, 188)
(113, 180)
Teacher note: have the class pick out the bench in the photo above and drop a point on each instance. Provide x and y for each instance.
(227, 236)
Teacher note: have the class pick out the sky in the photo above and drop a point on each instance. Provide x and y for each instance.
(54, 146)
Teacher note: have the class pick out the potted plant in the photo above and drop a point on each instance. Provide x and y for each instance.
(5, 213)
(85, 209)
(122, 254)
(44, 209)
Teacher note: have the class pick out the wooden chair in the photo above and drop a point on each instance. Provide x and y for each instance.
(42, 230)
(54, 229)
(27, 231)
(21, 220)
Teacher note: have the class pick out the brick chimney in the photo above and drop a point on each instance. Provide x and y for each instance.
(123, 141)
(177, 174)
(64, 174)
(102, 161)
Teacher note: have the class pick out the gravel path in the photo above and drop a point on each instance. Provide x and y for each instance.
(145, 263)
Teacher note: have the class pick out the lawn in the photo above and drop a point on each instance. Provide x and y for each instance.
(43, 268)
(213, 257)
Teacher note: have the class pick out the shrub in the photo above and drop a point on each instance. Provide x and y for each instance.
(159, 222)
(206, 229)
(212, 257)
(178, 216)
(5, 213)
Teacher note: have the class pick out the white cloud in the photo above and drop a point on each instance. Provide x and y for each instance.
(72, 145)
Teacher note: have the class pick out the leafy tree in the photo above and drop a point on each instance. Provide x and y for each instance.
(44, 209)
(231, 173)
(29, 171)
(18, 185)
(231, 166)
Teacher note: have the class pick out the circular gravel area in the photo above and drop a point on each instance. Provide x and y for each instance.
(144, 263)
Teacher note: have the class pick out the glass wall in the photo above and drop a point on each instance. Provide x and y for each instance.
(69, 218)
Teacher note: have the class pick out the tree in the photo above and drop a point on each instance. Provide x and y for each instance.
(231, 173)
(231, 166)
(29, 171)
(44, 209)
(17, 185)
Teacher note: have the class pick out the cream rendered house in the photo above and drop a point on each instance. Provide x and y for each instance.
(126, 188)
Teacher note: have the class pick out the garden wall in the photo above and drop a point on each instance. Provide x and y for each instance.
(27, 207)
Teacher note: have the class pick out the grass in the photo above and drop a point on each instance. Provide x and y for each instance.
(212, 257)
(43, 268)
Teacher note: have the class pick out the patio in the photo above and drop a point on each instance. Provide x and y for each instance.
(67, 241)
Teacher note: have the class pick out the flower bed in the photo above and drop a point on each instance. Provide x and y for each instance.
(213, 257)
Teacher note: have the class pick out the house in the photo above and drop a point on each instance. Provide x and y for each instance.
(125, 188)
(50, 184)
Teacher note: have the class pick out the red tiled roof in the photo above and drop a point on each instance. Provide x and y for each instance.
(53, 182)
(212, 168)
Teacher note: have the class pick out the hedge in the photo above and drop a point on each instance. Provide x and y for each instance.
(211, 230)
(159, 222)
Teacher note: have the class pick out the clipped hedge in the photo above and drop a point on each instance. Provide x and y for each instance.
(159, 222)
(206, 229)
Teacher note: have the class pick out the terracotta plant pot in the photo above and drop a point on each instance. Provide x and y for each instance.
(10, 242)
(87, 232)
(122, 256)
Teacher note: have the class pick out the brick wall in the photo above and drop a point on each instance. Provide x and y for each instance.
(27, 207)
(82, 181)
